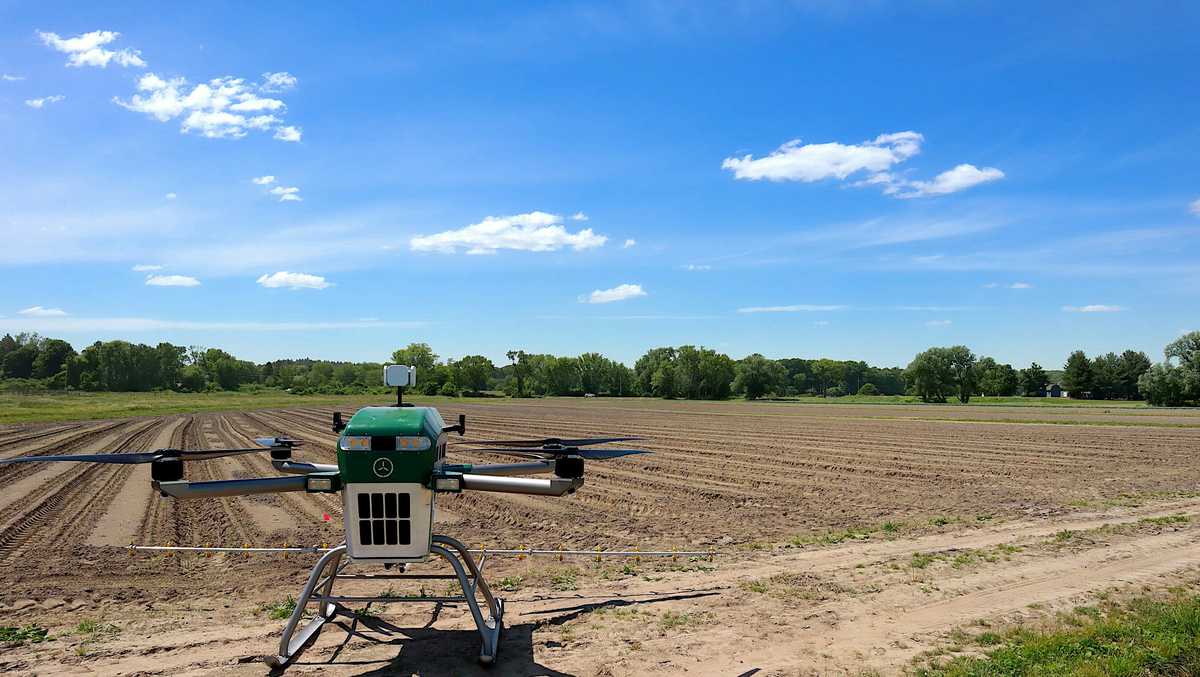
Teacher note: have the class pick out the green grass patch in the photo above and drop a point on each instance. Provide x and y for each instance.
(1143, 637)
(79, 406)
(679, 620)
(26, 634)
(93, 629)
(1165, 520)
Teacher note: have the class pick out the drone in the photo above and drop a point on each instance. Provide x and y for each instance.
(391, 464)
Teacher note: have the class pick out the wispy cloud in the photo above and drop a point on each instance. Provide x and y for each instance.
(579, 216)
(264, 180)
(277, 82)
(1012, 285)
(39, 311)
(222, 108)
(41, 103)
(171, 196)
(142, 324)
(286, 193)
(284, 279)
(808, 163)
(87, 49)
(534, 232)
(11, 78)
(697, 267)
(939, 323)
(171, 281)
(629, 243)
(620, 292)
(146, 267)
(1094, 308)
(1194, 207)
(799, 308)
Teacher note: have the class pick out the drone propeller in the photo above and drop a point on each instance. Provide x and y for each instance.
(542, 452)
(553, 442)
(138, 457)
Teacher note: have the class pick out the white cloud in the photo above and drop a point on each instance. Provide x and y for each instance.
(579, 216)
(284, 279)
(11, 78)
(874, 160)
(1020, 285)
(1194, 207)
(288, 133)
(821, 323)
(620, 292)
(697, 267)
(41, 103)
(799, 308)
(535, 232)
(287, 193)
(795, 161)
(263, 180)
(171, 281)
(991, 285)
(222, 108)
(1094, 308)
(629, 243)
(87, 49)
(38, 311)
(939, 323)
(277, 82)
(962, 177)
(171, 196)
(146, 267)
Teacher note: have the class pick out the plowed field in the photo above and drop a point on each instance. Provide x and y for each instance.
(773, 487)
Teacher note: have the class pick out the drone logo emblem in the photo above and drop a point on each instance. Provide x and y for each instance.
(382, 467)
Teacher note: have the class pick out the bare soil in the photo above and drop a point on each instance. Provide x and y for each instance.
(850, 538)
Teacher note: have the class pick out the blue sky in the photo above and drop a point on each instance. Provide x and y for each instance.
(796, 179)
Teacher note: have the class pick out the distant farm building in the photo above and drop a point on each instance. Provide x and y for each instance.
(1054, 390)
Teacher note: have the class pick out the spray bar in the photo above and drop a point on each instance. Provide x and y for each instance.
(521, 552)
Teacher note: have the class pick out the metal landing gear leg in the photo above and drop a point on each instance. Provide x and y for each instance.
(329, 568)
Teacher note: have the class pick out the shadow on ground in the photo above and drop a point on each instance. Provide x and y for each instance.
(431, 652)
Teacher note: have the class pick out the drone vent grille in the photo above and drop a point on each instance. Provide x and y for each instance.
(383, 518)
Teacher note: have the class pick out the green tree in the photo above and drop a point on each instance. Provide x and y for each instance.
(826, 374)
(932, 375)
(757, 376)
(618, 379)
(592, 369)
(418, 355)
(648, 371)
(1077, 375)
(1132, 365)
(473, 373)
(1033, 380)
(962, 364)
(868, 389)
(520, 369)
(52, 358)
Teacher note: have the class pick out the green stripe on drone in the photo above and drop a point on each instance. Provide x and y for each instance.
(391, 466)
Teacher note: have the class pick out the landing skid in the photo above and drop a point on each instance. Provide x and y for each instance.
(330, 568)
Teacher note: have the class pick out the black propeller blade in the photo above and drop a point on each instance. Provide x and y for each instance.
(553, 442)
(138, 457)
(539, 452)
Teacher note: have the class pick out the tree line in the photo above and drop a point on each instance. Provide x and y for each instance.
(684, 372)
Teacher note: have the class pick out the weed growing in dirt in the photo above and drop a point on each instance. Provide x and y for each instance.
(942, 520)
(890, 527)
(32, 634)
(366, 613)
(279, 610)
(563, 579)
(1064, 536)
(510, 583)
(677, 620)
(92, 629)
(1165, 520)
(920, 560)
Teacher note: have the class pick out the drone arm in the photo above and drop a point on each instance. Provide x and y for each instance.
(520, 485)
(533, 467)
(262, 485)
(299, 468)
